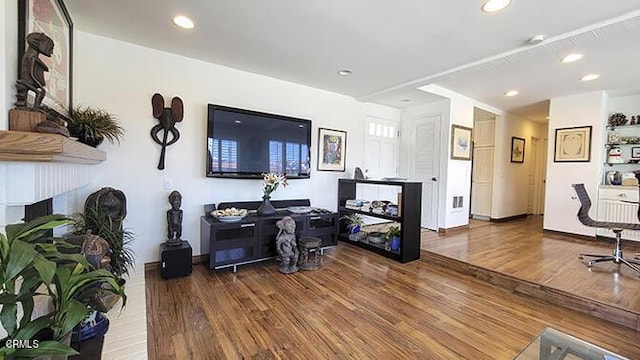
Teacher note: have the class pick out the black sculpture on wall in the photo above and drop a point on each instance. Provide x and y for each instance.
(168, 118)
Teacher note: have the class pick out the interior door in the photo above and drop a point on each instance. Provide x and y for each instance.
(381, 158)
(425, 166)
(482, 168)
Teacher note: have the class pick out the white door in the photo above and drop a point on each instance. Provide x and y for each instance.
(482, 168)
(540, 174)
(381, 158)
(425, 166)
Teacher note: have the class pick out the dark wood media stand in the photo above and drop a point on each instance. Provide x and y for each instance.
(254, 238)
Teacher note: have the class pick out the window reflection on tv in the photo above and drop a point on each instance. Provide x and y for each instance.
(246, 144)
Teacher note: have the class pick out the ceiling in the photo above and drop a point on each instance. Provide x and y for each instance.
(395, 47)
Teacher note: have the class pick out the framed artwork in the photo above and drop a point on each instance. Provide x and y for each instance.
(517, 149)
(332, 149)
(573, 144)
(51, 18)
(635, 152)
(460, 142)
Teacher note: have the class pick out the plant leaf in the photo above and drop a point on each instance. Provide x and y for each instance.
(4, 246)
(29, 330)
(45, 268)
(27, 311)
(74, 314)
(20, 256)
(9, 317)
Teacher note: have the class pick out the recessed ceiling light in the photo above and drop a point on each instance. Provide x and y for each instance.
(491, 6)
(344, 72)
(536, 40)
(511, 93)
(183, 21)
(589, 77)
(405, 100)
(571, 58)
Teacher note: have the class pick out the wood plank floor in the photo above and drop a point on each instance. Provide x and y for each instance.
(521, 249)
(358, 305)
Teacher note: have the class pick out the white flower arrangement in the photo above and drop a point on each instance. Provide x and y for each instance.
(272, 181)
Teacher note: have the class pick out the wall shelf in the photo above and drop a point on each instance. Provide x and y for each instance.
(41, 147)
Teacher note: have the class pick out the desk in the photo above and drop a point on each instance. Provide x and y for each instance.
(552, 344)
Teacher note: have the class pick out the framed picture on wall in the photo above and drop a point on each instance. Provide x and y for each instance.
(51, 18)
(332, 149)
(517, 149)
(635, 152)
(460, 142)
(573, 144)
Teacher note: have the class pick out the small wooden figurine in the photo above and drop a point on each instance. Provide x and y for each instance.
(286, 245)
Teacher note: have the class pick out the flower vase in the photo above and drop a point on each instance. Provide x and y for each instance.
(266, 208)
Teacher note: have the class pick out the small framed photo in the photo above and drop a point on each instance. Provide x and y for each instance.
(460, 142)
(635, 152)
(517, 150)
(332, 149)
(573, 144)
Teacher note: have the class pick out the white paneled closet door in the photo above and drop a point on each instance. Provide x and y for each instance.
(482, 168)
(425, 166)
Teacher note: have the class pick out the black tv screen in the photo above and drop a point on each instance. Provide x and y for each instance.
(246, 144)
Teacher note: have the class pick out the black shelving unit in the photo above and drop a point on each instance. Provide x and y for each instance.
(409, 209)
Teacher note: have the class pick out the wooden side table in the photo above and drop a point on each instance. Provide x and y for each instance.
(310, 257)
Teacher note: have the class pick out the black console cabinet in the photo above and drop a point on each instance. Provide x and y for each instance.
(254, 238)
(409, 218)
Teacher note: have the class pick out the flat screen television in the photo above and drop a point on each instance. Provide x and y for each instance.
(246, 144)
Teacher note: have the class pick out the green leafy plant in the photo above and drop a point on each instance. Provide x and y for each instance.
(353, 220)
(95, 123)
(28, 263)
(97, 220)
(392, 231)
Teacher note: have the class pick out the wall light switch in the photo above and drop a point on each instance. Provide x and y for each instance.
(168, 184)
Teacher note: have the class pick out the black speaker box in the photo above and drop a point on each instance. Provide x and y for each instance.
(175, 261)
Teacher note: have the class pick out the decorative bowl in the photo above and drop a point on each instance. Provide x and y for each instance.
(300, 209)
(376, 237)
(230, 215)
(230, 218)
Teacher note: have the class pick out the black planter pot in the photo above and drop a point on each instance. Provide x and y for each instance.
(87, 139)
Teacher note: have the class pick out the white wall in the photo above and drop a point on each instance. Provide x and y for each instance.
(571, 111)
(121, 78)
(510, 180)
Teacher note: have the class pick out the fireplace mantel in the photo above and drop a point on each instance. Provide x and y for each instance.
(39, 147)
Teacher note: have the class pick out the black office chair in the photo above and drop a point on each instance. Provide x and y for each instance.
(616, 227)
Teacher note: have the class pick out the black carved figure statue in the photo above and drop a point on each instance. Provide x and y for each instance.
(174, 219)
(32, 69)
(286, 245)
(168, 118)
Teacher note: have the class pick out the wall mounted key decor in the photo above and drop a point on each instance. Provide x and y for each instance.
(168, 118)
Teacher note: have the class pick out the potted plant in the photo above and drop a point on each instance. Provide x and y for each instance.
(31, 266)
(91, 126)
(271, 181)
(393, 238)
(354, 223)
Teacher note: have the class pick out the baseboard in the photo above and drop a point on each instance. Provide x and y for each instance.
(481, 217)
(195, 260)
(575, 236)
(508, 218)
(453, 229)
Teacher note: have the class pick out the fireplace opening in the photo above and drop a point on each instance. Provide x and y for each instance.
(40, 208)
